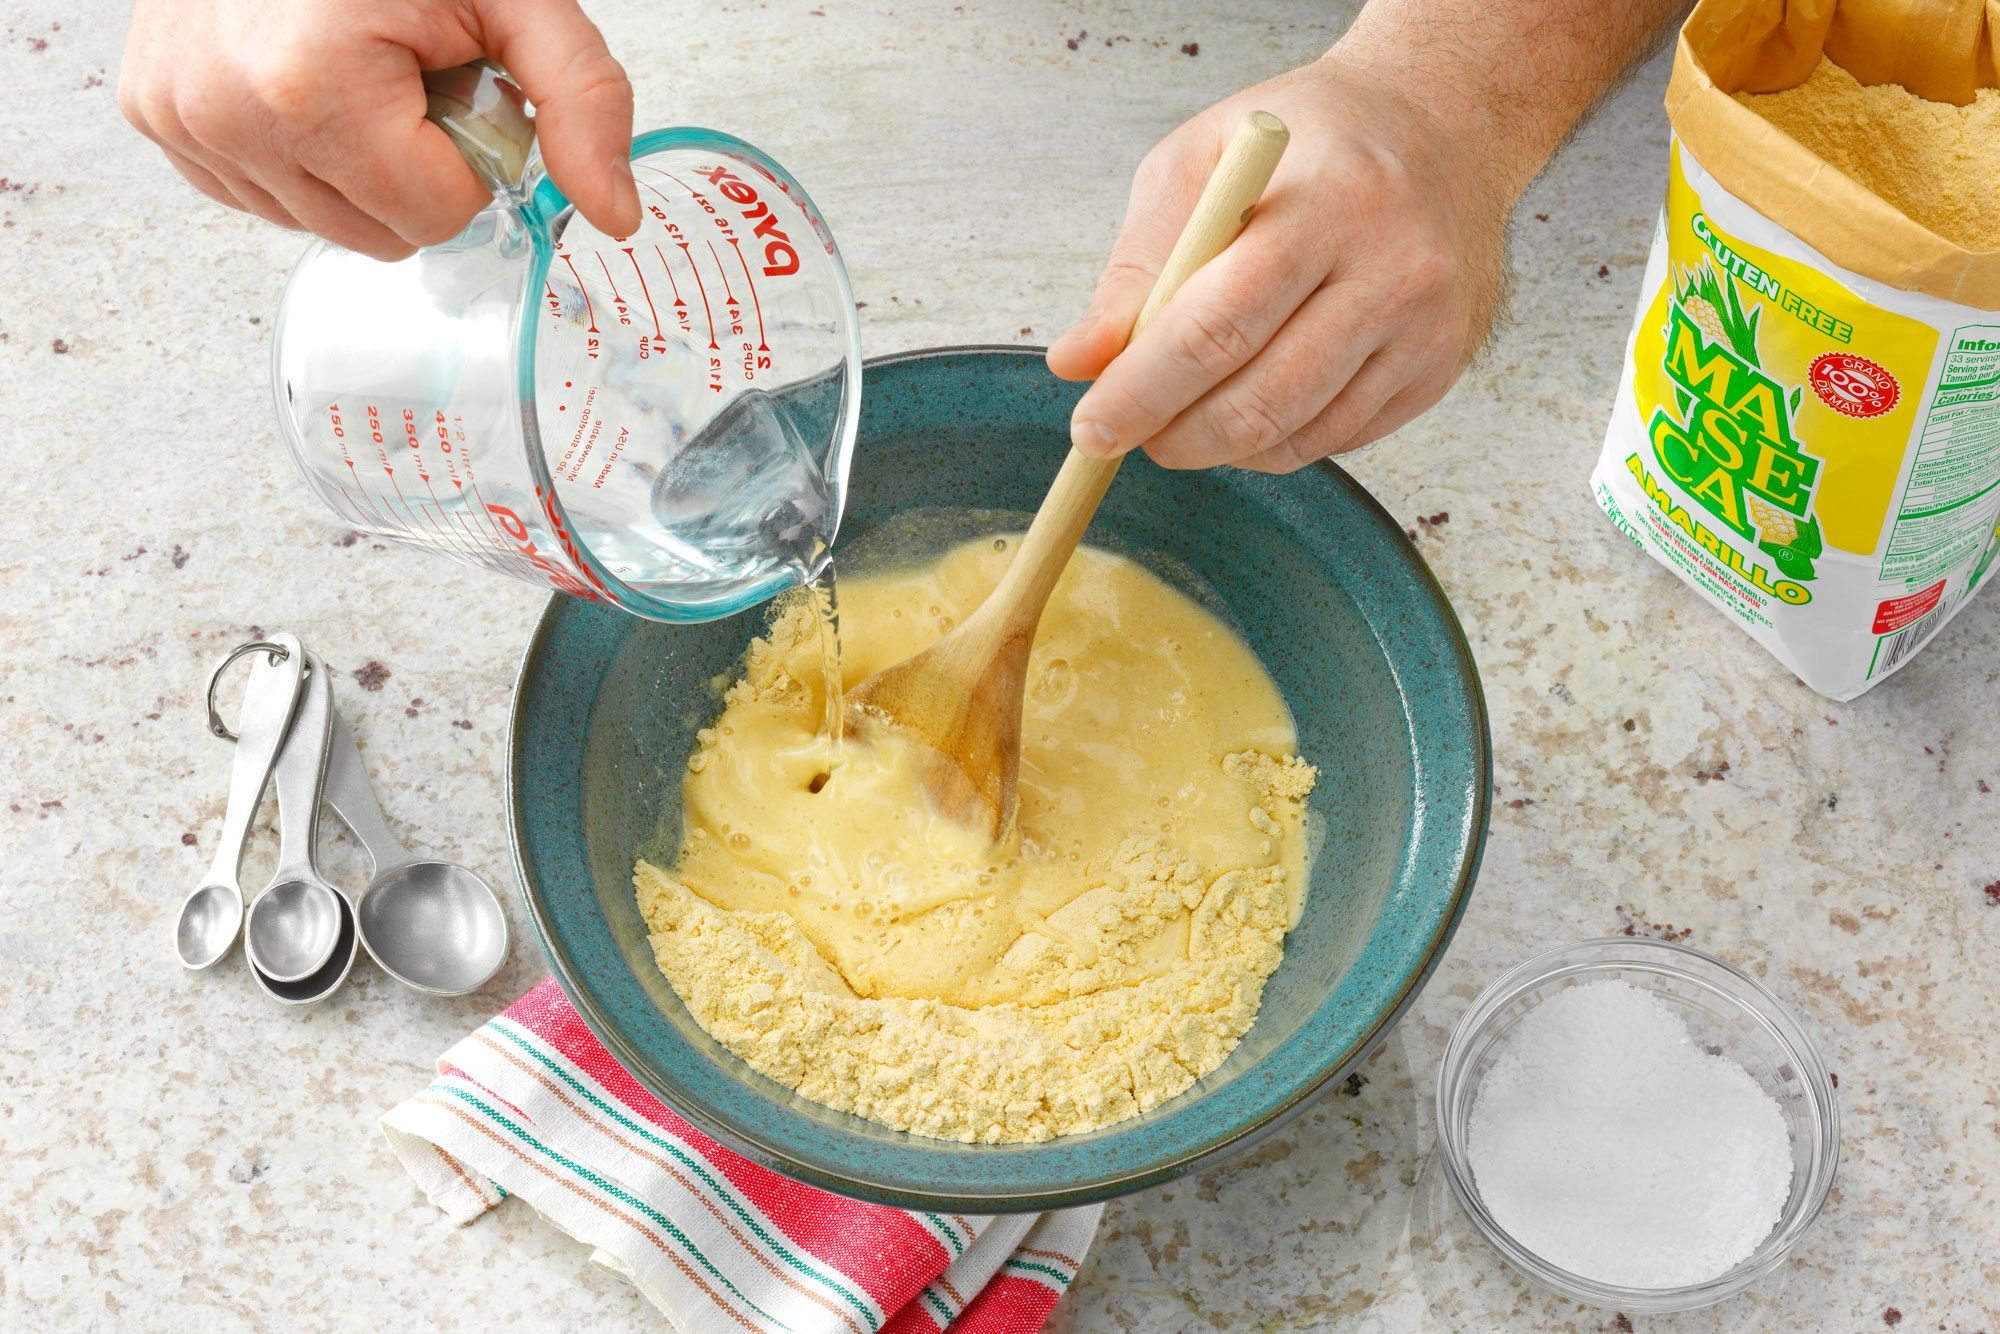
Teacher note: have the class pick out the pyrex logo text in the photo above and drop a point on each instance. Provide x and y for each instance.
(780, 258)
(562, 579)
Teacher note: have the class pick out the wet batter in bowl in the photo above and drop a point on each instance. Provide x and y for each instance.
(826, 927)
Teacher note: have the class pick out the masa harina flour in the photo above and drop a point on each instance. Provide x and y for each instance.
(837, 936)
(1936, 162)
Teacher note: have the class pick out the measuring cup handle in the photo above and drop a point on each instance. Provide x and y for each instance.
(485, 113)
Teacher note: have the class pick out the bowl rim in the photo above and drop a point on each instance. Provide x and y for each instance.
(1579, 958)
(855, 1186)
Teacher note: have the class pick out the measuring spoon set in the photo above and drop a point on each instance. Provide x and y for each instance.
(433, 925)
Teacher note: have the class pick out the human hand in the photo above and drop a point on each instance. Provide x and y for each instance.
(310, 113)
(1360, 290)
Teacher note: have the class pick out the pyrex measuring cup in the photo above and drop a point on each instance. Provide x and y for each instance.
(661, 421)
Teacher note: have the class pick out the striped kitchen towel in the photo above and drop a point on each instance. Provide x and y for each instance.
(532, 1105)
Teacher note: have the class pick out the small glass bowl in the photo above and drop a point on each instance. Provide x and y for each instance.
(1726, 1011)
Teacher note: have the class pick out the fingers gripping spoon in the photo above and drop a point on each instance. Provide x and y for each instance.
(961, 697)
(212, 916)
(433, 925)
(294, 926)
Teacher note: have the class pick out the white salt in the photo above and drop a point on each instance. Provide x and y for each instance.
(1607, 1142)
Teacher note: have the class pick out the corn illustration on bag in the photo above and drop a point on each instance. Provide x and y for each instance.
(1808, 426)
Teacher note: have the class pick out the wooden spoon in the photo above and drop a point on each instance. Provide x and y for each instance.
(961, 697)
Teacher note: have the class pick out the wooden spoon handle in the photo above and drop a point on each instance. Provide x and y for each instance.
(1233, 189)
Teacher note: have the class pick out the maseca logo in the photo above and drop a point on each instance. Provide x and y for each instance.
(1731, 446)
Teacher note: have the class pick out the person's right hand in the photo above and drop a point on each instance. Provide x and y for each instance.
(1362, 287)
(310, 113)
(1370, 275)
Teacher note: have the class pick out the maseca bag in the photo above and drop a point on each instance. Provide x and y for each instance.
(1808, 426)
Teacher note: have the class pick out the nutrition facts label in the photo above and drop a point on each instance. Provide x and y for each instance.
(1949, 506)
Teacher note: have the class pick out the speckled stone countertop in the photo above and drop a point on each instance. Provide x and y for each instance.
(175, 1152)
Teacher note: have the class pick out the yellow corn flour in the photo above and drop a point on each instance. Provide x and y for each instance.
(822, 924)
(1938, 163)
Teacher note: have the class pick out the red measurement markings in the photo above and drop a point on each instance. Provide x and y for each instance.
(695, 195)
(368, 515)
(402, 501)
(416, 509)
(617, 297)
(452, 528)
(680, 306)
(680, 239)
(762, 346)
(482, 552)
(647, 292)
(666, 264)
(701, 287)
(656, 211)
(411, 438)
(354, 476)
(404, 514)
(493, 546)
(714, 362)
(417, 516)
(441, 426)
(375, 436)
(360, 515)
(589, 312)
(450, 533)
(339, 429)
(728, 292)
(397, 515)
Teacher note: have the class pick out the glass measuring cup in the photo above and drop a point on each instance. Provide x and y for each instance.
(661, 421)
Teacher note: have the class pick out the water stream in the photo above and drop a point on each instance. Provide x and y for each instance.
(821, 585)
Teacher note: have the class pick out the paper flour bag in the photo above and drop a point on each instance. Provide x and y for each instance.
(1808, 426)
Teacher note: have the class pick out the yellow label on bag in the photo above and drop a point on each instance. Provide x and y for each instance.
(1810, 438)
(1777, 399)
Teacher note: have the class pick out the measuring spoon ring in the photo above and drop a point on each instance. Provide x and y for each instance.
(294, 926)
(431, 924)
(211, 917)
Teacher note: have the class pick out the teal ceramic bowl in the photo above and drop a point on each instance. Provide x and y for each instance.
(1318, 578)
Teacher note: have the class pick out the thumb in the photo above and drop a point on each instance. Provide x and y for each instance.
(1162, 200)
(583, 102)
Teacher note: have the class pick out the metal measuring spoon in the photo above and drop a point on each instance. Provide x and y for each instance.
(211, 917)
(312, 990)
(432, 925)
(293, 930)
